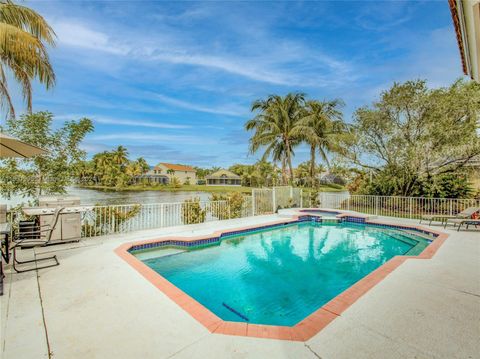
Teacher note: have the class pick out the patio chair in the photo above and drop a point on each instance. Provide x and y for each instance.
(465, 221)
(35, 236)
(465, 214)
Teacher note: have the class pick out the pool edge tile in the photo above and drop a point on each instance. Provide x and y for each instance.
(302, 331)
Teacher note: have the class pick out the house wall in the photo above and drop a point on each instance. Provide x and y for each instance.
(223, 182)
(182, 176)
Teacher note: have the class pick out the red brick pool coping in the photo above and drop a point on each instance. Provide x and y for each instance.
(303, 330)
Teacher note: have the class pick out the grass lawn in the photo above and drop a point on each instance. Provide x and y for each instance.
(199, 188)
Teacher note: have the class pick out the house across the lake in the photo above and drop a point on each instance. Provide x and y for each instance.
(185, 174)
(223, 178)
(164, 172)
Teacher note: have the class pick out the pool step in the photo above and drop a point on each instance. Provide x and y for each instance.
(410, 233)
(403, 238)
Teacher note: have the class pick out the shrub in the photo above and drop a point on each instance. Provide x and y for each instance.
(236, 203)
(107, 220)
(175, 182)
(192, 211)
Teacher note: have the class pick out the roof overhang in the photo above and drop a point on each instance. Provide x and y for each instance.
(466, 20)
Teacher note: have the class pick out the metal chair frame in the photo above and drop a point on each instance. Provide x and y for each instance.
(34, 239)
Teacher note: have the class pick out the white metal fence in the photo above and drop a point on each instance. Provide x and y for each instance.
(102, 220)
(395, 206)
(269, 200)
(110, 219)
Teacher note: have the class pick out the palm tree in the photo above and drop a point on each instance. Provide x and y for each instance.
(144, 167)
(319, 126)
(275, 127)
(120, 156)
(24, 36)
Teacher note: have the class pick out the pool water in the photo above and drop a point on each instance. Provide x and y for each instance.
(280, 275)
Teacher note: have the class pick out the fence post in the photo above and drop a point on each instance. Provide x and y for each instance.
(301, 197)
(253, 202)
(112, 225)
(274, 200)
(410, 207)
(376, 205)
(229, 210)
(161, 215)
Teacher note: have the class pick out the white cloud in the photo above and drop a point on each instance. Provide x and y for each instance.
(276, 67)
(122, 122)
(137, 123)
(76, 34)
(230, 110)
(163, 139)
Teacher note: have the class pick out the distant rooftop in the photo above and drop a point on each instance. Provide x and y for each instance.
(223, 174)
(176, 167)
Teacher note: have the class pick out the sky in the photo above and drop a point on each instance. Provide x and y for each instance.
(174, 81)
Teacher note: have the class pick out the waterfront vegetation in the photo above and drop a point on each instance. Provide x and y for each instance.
(49, 173)
(412, 141)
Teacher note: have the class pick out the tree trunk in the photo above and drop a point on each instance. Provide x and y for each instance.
(312, 165)
(284, 173)
(40, 183)
(289, 160)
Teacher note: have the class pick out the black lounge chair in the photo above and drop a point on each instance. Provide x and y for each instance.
(443, 218)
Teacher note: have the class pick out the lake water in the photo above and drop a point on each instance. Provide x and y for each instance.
(91, 196)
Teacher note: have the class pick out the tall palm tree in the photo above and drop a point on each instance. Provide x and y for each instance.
(120, 156)
(24, 36)
(319, 126)
(143, 165)
(275, 127)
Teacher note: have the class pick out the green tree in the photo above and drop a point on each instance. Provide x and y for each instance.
(303, 173)
(276, 128)
(414, 135)
(49, 173)
(24, 36)
(319, 127)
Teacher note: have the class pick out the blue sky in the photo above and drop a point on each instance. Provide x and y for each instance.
(173, 81)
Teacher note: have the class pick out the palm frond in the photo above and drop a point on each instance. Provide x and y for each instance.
(28, 20)
(6, 100)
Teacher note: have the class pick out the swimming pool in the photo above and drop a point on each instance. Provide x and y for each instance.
(281, 274)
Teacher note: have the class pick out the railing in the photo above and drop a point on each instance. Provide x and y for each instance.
(103, 220)
(269, 200)
(110, 219)
(396, 206)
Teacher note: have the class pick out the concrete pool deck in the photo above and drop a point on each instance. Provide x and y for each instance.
(96, 306)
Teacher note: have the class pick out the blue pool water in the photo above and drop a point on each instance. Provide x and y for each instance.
(279, 276)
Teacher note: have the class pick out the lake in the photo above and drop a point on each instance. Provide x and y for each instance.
(92, 196)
